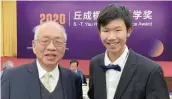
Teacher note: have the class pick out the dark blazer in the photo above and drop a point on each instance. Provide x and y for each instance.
(23, 83)
(142, 78)
(81, 74)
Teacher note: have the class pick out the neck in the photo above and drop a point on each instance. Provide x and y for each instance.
(49, 68)
(114, 56)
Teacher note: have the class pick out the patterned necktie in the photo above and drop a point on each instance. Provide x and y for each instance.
(46, 82)
(111, 66)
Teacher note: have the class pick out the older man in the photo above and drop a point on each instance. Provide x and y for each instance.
(44, 78)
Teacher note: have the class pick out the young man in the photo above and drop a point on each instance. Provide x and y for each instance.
(121, 73)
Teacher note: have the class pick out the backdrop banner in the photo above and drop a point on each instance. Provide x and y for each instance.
(151, 36)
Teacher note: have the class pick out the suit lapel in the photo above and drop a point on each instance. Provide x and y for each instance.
(127, 74)
(65, 83)
(33, 82)
(101, 78)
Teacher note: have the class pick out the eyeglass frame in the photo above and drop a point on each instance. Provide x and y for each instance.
(49, 41)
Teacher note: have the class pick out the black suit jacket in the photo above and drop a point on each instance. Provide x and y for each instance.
(23, 83)
(81, 74)
(141, 79)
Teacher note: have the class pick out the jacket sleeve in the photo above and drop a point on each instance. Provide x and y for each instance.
(5, 85)
(79, 88)
(156, 85)
(91, 83)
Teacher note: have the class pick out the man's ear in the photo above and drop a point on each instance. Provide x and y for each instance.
(130, 30)
(33, 46)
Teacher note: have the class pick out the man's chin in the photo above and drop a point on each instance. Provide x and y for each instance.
(51, 63)
(113, 50)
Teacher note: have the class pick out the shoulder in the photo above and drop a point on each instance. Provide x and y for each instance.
(97, 57)
(70, 73)
(18, 71)
(145, 63)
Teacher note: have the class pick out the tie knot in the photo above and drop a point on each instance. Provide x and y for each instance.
(111, 66)
(47, 75)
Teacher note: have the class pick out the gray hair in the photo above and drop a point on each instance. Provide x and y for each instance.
(37, 28)
(7, 65)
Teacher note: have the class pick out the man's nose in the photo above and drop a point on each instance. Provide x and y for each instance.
(112, 35)
(51, 46)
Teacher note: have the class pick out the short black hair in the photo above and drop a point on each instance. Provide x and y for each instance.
(112, 12)
(74, 61)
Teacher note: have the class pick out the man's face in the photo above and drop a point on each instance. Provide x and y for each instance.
(73, 66)
(114, 35)
(50, 45)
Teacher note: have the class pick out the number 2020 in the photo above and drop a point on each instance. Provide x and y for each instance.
(60, 18)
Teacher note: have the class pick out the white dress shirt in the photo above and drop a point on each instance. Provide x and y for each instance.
(54, 75)
(113, 76)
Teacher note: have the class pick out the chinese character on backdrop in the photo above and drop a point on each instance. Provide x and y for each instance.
(77, 15)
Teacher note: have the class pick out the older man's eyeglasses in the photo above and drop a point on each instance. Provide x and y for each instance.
(46, 41)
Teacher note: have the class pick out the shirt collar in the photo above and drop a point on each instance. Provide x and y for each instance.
(41, 71)
(120, 61)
